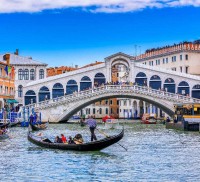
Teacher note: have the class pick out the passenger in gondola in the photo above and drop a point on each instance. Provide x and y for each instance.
(167, 120)
(71, 141)
(63, 138)
(58, 140)
(78, 139)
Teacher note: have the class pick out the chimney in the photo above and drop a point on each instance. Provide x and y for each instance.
(16, 52)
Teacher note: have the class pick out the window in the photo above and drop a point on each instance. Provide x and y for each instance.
(111, 111)
(117, 74)
(159, 62)
(106, 102)
(26, 74)
(173, 69)
(163, 60)
(20, 93)
(181, 57)
(117, 110)
(41, 74)
(181, 69)
(32, 74)
(125, 103)
(186, 69)
(110, 102)
(106, 110)
(186, 57)
(166, 60)
(94, 110)
(151, 63)
(20, 74)
(100, 111)
(117, 102)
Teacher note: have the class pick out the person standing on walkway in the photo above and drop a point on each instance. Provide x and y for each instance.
(92, 125)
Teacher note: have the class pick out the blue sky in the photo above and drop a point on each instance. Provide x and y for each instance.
(81, 34)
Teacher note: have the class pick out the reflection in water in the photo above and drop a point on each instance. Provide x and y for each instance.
(154, 154)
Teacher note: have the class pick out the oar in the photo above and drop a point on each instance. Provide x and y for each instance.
(107, 136)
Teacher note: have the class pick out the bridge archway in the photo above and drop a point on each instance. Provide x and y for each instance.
(155, 82)
(99, 79)
(72, 110)
(71, 87)
(196, 91)
(85, 83)
(183, 88)
(141, 79)
(44, 94)
(169, 85)
(30, 97)
(58, 90)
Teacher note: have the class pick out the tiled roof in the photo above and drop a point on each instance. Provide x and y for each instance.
(19, 60)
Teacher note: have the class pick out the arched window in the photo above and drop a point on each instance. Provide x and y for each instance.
(26, 74)
(41, 74)
(106, 110)
(99, 79)
(169, 85)
(32, 74)
(20, 74)
(85, 83)
(30, 97)
(58, 90)
(71, 87)
(100, 111)
(20, 91)
(183, 88)
(196, 91)
(141, 79)
(155, 82)
(44, 94)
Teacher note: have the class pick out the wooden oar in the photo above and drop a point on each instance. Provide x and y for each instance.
(107, 136)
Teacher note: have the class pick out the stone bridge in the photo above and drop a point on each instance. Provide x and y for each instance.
(60, 109)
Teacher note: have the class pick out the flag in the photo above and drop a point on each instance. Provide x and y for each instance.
(6, 69)
(9, 69)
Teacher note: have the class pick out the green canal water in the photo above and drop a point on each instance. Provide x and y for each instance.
(154, 154)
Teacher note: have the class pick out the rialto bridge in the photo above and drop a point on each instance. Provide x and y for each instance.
(59, 97)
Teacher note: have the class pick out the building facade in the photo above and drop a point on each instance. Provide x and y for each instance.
(26, 71)
(7, 83)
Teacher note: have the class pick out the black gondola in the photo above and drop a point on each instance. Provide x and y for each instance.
(14, 123)
(3, 125)
(90, 146)
(38, 127)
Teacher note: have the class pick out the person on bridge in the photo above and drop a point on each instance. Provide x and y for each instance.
(92, 125)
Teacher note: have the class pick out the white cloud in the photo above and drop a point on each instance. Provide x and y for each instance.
(107, 6)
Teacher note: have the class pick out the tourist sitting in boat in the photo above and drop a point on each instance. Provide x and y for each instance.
(58, 140)
(41, 125)
(3, 131)
(71, 141)
(78, 139)
(63, 138)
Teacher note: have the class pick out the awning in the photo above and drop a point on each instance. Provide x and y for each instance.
(11, 101)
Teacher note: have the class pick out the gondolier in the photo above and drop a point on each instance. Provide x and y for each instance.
(92, 125)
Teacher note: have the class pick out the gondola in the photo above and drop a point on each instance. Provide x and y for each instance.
(4, 136)
(14, 123)
(2, 125)
(36, 126)
(90, 146)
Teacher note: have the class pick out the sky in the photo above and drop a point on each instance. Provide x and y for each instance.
(75, 32)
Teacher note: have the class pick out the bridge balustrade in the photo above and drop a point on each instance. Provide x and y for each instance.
(144, 90)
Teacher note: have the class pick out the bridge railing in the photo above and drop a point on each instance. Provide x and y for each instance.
(117, 88)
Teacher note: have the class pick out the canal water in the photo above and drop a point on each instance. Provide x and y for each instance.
(154, 154)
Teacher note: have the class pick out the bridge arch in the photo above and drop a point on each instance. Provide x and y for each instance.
(141, 79)
(99, 79)
(196, 91)
(43, 93)
(57, 90)
(85, 83)
(169, 85)
(183, 88)
(155, 82)
(71, 87)
(30, 97)
(72, 110)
